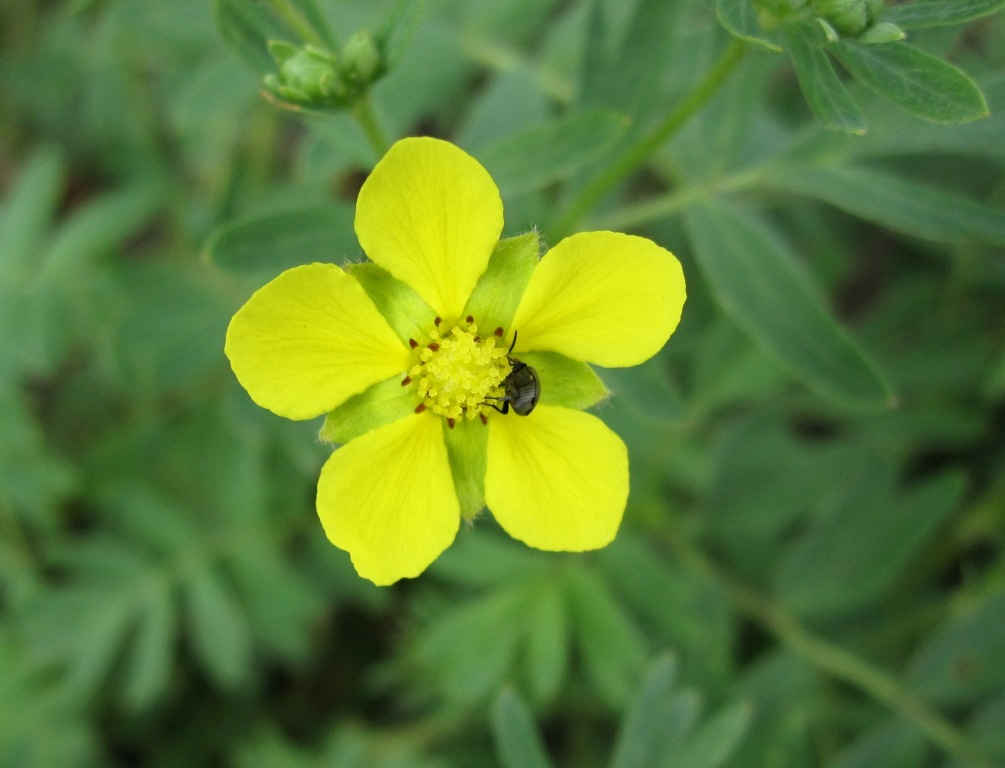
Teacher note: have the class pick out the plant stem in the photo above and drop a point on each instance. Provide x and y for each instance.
(730, 57)
(297, 22)
(371, 127)
(838, 662)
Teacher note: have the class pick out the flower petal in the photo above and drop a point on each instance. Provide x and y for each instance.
(430, 215)
(557, 479)
(310, 339)
(603, 298)
(387, 498)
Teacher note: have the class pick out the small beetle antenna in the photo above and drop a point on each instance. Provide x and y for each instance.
(512, 345)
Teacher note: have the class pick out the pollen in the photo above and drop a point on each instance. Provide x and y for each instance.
(455, 371)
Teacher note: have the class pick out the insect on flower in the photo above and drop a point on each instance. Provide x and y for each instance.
(522, 387)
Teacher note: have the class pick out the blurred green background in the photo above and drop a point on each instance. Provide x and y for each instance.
(810, 571)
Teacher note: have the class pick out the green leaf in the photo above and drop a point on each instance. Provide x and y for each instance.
(547, 153)
(546, 659)
(824, 92)
(518, 744)
(739, 18)
(381, 404)
(900, 204)
(398, 29)
(646, 392)
(962, 660)
(760, 284)
(917, 82)
(863, 543)
(565, 382)
(657, 715)
(249, 26)
(715, 741)
(937, 13)
(101, 226)
(151, 656)
(612, 648)
(270, 243)
(26, 214)
(217, 629)
(893, 745)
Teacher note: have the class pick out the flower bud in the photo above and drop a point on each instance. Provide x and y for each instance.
(361, 61)
(849, 17)
(306, 75)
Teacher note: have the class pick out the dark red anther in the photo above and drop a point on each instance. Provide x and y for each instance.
(482, 417)
(450, 423)
(406, 381)
(499, 332)
(469, 319)
(435, 347)
(413, 343)
(437, 322)
(420, 407)
(477, 339)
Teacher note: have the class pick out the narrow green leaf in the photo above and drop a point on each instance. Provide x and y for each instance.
(249, 26)
(546, 659)
(760, 284)
(151, 655)
(937, 13)
(863, 543)
(824, 92)
(712, 746)
(919, 83)
(649, 720)
(739, 18)
(962, 661)
(26, 213)
(551, 152)
(518, 744)
(217, 628)
(101, 226)
(270, 243)
(900, 204)
(612, 649)
(398, 30)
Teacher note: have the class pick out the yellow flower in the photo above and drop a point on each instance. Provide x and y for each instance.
(408, 356)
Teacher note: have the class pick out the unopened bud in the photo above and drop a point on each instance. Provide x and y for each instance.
(849, 17)
(361, 60)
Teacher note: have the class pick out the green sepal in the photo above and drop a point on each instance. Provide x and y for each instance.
(500, 288)
(405, 311)
(564, 381)
(381, 404)
(467, 451)
(882, 32)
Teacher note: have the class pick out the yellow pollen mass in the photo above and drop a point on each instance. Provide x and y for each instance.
(457, 370)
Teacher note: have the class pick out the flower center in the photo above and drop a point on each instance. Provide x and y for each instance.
(457, 370)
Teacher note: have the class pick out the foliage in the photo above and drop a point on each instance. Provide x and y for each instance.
(810, 572)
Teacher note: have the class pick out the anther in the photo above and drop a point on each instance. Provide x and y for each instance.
(437, 321)
(406, 381)
(469, 319)
(420, 407)
(435, 347)
(498, 332)
(450, 423)
(413, 343)
(477, 339)
(483, 418)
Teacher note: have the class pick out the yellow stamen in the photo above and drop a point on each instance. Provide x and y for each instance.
(456, 371)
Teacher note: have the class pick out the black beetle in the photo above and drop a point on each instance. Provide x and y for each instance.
(522, 387)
